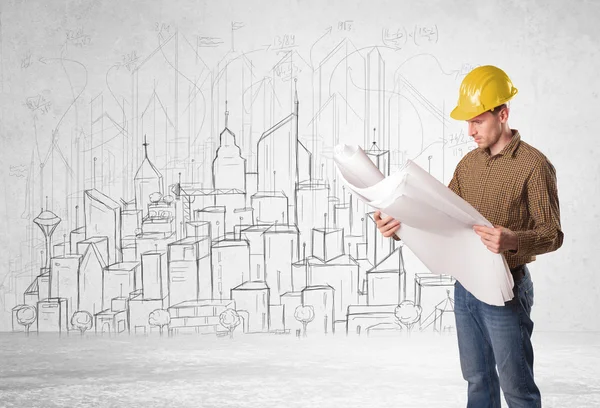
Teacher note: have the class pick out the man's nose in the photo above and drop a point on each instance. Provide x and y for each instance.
(472, 131)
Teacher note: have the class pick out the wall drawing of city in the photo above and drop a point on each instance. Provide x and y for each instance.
(188, 188)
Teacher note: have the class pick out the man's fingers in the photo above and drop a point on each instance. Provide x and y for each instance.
(387, 219)
(494, 250)
(491, 245)
(377, 216)
(389, 226)
(483, 233)
(391, 231)
(384, 221)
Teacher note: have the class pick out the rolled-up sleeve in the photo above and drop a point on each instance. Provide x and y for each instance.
(544, 233)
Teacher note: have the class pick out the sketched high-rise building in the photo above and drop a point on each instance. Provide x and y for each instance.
(278, 160)
(231, 266)
(103, 219)
(147, 180)
(228, 167)
(90, 275)
(64, 281)
(189, 269)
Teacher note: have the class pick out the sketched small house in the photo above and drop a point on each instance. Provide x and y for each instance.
(115, 319)
(360, 319)
(341, 274)
(386, 282)
(139, 310)
(321, 298)
(270, 207)
(290, 301)
(160, 219)
(216, 216)
(198, 316)
(327, 243)
(39, 289)
(119, 280)
(253, 297)
(52, 315)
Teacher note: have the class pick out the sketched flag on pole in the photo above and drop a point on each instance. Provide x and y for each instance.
(436, 224)
(236, 25)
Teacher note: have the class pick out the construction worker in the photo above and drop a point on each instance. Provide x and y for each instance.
(513, 185)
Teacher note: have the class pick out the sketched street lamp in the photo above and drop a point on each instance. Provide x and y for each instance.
(408, 314)
(304, 314)
(82, 321)
(230, 319)
(159, 318)
(26, 315)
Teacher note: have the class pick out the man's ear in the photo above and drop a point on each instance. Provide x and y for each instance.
(504, 114)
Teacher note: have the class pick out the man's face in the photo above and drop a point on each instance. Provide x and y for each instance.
(486, 128)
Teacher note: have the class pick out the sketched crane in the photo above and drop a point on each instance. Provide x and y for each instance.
(188, 193)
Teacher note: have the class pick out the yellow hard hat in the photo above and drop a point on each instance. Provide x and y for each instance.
(482, 89)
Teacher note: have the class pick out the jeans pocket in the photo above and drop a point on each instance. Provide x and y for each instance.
(526, 294)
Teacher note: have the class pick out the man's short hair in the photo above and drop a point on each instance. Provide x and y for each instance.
(498, 108)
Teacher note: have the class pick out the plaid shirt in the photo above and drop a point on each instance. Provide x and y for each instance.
(515, 189)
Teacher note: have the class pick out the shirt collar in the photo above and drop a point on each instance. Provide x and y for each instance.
(510, 148)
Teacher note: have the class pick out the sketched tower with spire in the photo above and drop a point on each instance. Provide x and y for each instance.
(147, 180)
(228, 167)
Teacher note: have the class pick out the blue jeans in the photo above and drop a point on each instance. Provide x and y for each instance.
(490, 336)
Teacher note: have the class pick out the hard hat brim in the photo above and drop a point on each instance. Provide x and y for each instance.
(459, 114)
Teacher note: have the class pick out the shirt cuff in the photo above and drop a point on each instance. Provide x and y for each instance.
(525, 243)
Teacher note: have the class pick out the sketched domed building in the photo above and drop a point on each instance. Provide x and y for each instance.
(228, 167)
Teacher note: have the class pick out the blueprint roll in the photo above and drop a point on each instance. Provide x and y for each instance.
(436, 224)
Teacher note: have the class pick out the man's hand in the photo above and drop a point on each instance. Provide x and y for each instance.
(387, 226)
(497, 239)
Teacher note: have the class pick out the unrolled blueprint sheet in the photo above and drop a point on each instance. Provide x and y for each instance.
(436, 224)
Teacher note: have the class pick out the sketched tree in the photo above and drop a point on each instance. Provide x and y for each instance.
(408, 313)
(155, 197)
(230, 319)
(159, 318)
(304, 314)
(82, 321)
(168, 199)
(26, 315)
